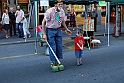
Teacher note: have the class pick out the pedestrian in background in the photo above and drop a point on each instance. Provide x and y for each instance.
(94, 16)
(12, 21)
(67, 14)
(53, 18)
(79, 43)
(73, 19)
(5, 22)
(19, 21)
(25, 28)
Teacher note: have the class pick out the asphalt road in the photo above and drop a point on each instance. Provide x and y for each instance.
(19, 64)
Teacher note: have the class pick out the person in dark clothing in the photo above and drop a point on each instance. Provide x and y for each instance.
(73, 19)
(94, 16)
(12, 21)
(67, 14)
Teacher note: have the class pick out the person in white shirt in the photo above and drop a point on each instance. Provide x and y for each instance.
(5, 21)
(19, 21)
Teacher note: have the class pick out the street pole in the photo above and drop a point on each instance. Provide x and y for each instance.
(29, 18)
(35, 6)
(116, 32)
(105, 19)
(86, 12)
(108, 20)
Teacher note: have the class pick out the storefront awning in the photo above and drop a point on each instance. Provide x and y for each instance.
(114, 1)
(86, 1)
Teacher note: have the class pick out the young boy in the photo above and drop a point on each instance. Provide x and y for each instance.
(25, 28)
(79, 42)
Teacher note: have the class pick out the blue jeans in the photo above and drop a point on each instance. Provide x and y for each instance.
(19, 27)
(54, 38)
(79, 53)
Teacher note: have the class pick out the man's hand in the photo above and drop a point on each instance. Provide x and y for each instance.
(68, 32)
(44, 37)
(16, 14)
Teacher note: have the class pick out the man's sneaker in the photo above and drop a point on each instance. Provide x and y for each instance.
(54, 67)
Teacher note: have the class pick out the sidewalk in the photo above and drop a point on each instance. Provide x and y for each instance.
(17, 40)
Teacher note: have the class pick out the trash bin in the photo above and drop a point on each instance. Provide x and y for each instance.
(47, 50)
(43, 43)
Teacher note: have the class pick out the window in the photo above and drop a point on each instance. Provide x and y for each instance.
(24, 7)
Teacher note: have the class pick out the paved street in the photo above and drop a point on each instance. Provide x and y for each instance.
(20, 64)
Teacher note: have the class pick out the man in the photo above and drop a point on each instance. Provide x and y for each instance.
(19, 18)
(94, 16)
(12, 21)
(53, 18)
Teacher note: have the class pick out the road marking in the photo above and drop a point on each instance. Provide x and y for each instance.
(71, 47)
(19, 56)
(66, 41)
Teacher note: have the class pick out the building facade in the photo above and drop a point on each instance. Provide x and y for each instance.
(24, 4)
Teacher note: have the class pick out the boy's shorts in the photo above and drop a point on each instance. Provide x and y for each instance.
(79, 53)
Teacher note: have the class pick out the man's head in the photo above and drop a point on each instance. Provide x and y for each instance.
(18, 7)
(58, 5)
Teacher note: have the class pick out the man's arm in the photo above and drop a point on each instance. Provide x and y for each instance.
(43, 26)
(16, 14)
(44, 29)
(22, 16)
(67, 30)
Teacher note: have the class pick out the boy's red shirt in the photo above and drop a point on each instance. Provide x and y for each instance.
(80, 41)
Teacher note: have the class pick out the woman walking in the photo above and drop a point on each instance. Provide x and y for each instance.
(5, 21)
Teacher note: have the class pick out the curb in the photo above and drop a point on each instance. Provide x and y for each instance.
(30, 41)
(17, 42)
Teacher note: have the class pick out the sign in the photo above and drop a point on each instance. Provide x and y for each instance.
(88, 25)
(34, 0)
(44, 3)
(102, 3)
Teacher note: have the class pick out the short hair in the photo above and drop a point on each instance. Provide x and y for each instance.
(17, 6)
(80, 31)
(57, 2)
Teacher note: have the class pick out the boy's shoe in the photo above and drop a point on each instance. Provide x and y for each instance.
(24, 37)
(61, 67)
(29, 36)
(54, 67)
(78, 64)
